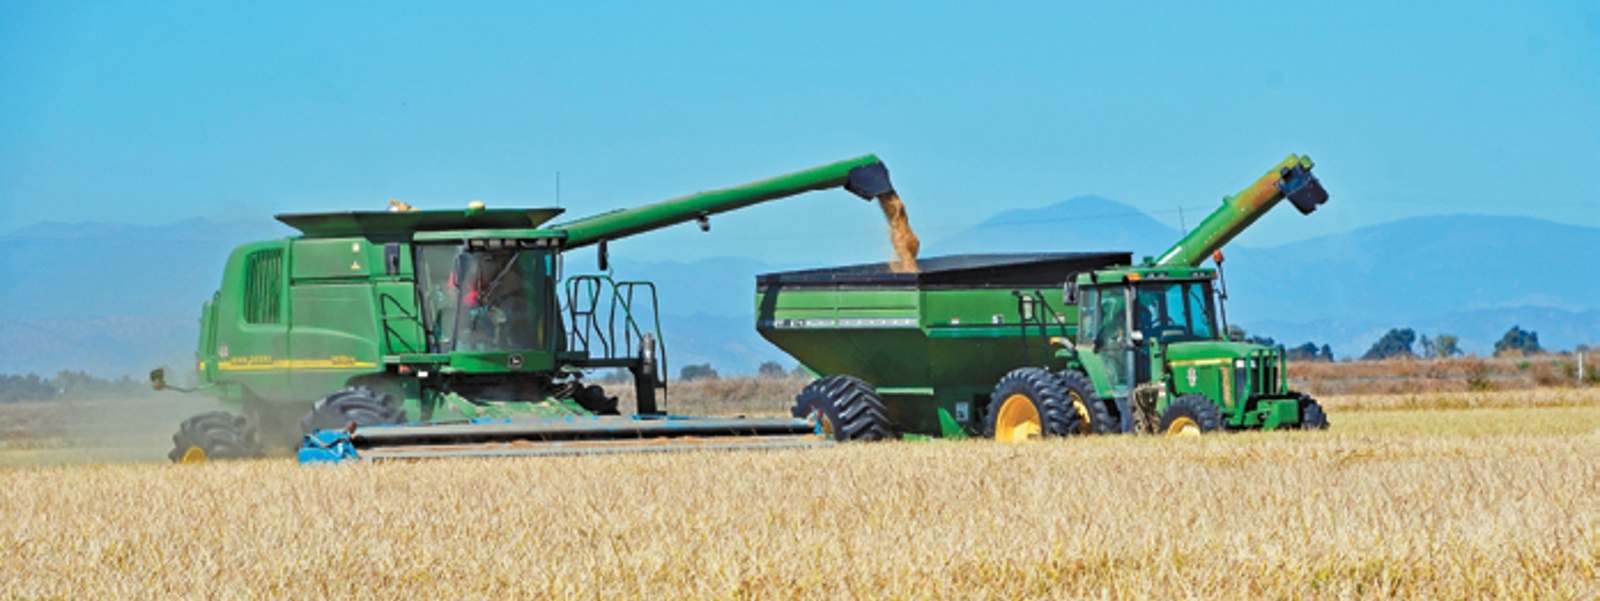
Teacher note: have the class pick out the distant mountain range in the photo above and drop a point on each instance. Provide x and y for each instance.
(119, 299)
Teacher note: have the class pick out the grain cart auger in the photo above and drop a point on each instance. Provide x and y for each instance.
(1017, 346)
(453, 333)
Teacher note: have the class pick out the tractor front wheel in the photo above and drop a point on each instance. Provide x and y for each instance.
(846, 408)
(214, 435)
(357, 405)
(1312, 417)
(1190, 415)
(1029, 403)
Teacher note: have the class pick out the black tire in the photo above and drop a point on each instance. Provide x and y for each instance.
(1312, 417)
(1044, 392)
(357, 405)
(850, 410)
(1190, 410)
(1093, 415)
(218, 434)
(595, 400)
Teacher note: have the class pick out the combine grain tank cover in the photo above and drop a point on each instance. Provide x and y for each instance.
(398, 226)
(1043, 270)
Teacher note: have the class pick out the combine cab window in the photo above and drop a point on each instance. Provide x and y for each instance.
(263, 286)
(486, 299)
(1176, 312)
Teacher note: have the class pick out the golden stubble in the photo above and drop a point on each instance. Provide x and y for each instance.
(1359, 511)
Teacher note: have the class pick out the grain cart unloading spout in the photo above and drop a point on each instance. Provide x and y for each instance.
(1291, 179)
(865, 176)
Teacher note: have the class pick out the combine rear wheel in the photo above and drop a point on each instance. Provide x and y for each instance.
(847, 408)
(1312, 417)
(214, 435)
(356, 405)
(1093, 417)
(1029, 403)
(1190, 415)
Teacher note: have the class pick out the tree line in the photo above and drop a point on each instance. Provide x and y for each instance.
(67, 384)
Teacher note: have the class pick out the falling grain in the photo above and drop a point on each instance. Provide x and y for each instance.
(905, 241)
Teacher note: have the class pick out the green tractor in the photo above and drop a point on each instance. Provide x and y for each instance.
(1128, 347)
(461, 319)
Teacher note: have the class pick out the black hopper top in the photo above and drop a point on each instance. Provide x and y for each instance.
(953, 271)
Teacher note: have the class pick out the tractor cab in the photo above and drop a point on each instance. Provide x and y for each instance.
(1156, 333)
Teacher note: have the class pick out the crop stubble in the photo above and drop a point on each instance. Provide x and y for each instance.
(1353, 512)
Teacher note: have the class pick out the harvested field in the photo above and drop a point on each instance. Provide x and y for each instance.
(1399, 499)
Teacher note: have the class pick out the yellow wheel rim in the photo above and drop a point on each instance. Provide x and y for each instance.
(194, 455)
(1018, 420)
(825, 425)
(1183, 426)
(1084, 425)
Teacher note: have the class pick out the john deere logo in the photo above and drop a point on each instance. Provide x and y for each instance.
(1194, 378)
(515, 361)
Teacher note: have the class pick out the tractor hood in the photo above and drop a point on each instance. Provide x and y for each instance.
(1207, 350)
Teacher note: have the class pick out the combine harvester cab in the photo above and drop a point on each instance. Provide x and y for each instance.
(1015, 347)
(411, 334)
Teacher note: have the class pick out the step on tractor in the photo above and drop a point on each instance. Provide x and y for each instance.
(406, 334)
(1019, 346)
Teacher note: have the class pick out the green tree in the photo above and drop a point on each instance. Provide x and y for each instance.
(1396, 343)
(1446, 346)
(1517, 342)
(701, 371)
(771, 369)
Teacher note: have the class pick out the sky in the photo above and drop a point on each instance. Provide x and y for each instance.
(155, 112)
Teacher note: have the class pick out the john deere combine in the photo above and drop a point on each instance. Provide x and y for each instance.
(461, 325)
(1019, 346)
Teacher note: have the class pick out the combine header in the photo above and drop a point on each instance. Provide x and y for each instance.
(409, 334)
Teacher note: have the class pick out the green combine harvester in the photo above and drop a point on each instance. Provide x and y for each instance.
(1014, 347)
(460, 325)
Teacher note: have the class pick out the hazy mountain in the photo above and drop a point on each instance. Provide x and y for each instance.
(1085, 223)
(119, 299)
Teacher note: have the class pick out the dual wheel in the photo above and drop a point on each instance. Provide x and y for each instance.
(1030, 403)
(846, 409)
(221, 435)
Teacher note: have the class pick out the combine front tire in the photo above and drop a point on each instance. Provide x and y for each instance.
(214, 435)
(356, 405)
(1190, 415)
(848, 409)
(1312, 417)
(1028, 403)
(1093, 417)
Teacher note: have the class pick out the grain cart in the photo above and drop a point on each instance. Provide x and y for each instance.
(460, 324)
(1104, 345)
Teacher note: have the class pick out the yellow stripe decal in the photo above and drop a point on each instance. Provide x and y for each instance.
(295, 364)
(1200, 362)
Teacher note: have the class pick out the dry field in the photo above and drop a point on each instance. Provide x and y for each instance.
(1442, 496)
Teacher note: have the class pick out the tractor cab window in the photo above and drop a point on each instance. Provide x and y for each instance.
(1176, 311)
(479, 298)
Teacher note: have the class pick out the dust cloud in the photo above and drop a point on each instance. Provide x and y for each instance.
(905, 241)
(62, 432)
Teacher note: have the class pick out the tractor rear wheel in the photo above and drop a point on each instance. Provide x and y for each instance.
(1029, 403)
(1190, 415)
(846, 408)
(356, 405)
(1093, 417)
(214, 435)
(1312, 417)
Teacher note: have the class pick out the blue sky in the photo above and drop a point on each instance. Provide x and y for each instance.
(154, 112)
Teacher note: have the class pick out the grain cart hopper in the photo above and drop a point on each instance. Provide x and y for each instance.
(1018, 346)
(461, 325)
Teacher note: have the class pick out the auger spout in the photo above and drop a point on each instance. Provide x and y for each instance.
(1291, 179)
